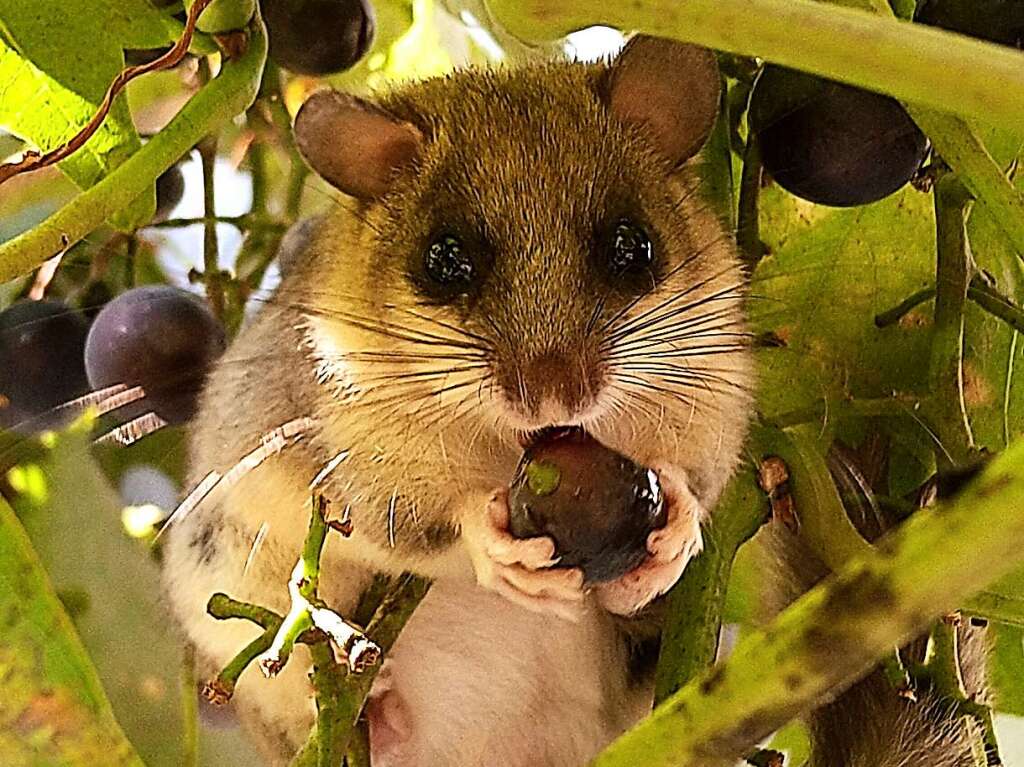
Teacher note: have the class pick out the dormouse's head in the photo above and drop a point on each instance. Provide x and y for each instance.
(531, 247)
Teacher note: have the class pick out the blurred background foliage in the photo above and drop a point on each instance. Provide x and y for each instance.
(91, 511)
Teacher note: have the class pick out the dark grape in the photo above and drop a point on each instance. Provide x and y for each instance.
(597, 505)
(318, 37)
(170, 187)
(998, 21)
(158, 337)
(831, 143)
(41, 365)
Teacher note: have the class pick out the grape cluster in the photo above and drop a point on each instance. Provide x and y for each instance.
(838, 145)
(158, 337)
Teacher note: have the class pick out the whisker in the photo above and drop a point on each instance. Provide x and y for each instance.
(271, 443)
(131, 432)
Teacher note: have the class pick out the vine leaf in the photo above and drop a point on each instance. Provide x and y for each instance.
(1006, 670)
(53, 76)
(52, 707)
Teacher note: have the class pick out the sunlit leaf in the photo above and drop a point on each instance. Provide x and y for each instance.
(53, 710)
(54, 75)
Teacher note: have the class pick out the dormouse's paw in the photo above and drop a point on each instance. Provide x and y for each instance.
(520, 569)
(669, 548)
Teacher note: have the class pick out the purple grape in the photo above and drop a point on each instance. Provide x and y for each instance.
(830, 143)
(597, 505)
(41, 365)
(318, 37)
(161, 338)
(170, 187)
(998, 21)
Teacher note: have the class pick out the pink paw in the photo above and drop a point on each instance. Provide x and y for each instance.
(520, 569)
(670, 549)
(390, 725)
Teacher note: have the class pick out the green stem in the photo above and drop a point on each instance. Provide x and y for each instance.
(244, 222)
(716, 169)
(824, 524)
(901, 310)
(953, 275)
(328, 682)
(838, 630)
(936, 68)
(189, 712)
(222, 688)
(222, 607)
(225, 96)
(340, 700)
(964, 152)
(312, 548)
(690, 634)
(211, 250)
(978, 291)
(748, 228)
(996, 304)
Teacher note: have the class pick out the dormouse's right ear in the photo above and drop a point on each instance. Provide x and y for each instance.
(670, 89)
(354, 145)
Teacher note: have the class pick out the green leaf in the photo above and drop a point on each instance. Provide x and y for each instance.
(829, 273)
(52, 707)
(122, 583)
(1006, 669)
(53, 77)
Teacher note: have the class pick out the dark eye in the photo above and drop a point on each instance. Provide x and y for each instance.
(447, 263)
(631, 249)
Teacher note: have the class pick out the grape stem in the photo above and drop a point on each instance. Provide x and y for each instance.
(340, 690)
(947, 411)
(211, 251)
(307, 611)
(915, 63)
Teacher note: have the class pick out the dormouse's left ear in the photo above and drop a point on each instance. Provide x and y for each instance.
(669, 87)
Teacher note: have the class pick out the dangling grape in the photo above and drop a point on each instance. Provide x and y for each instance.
(160, 338)
(41, 365)
(998, 21)
(318, 37)
(170, 187)
(831, 143)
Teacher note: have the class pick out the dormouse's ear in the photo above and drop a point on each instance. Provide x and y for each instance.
(671, 88)
(353, 144)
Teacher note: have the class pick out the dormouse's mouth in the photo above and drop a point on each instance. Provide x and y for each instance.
(528, 439)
